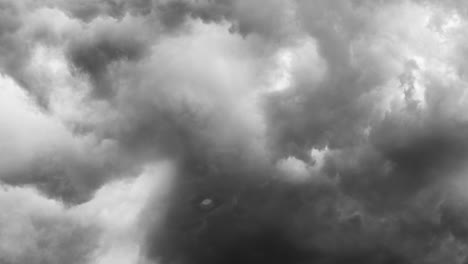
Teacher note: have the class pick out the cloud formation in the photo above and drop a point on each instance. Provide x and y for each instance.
(233, 131)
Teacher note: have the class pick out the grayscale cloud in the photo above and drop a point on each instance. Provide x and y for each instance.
(233, 131)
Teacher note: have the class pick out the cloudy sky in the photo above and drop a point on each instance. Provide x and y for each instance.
(233, 131)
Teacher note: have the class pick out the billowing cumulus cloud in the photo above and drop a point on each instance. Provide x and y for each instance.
(233, 131)
(39, 230)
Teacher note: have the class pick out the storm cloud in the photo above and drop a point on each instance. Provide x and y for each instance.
(233, 131)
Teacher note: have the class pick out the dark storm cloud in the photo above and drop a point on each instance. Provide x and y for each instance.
(89, 10)
(105, 45)
(336, 114)
(338, 103)
(12, 50)
(70, 177)
(404, 151)
(269, 20)
(266, 21)
(183, 80)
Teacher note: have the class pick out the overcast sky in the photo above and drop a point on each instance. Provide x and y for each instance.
(233, 131)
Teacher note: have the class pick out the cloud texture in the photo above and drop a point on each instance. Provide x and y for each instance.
(233, 131)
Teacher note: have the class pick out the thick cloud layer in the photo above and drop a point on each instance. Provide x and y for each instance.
(233, 131)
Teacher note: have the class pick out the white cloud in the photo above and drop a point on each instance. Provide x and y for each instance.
(26, 132)
(35, 229)
(117, 207)
(105, 230)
